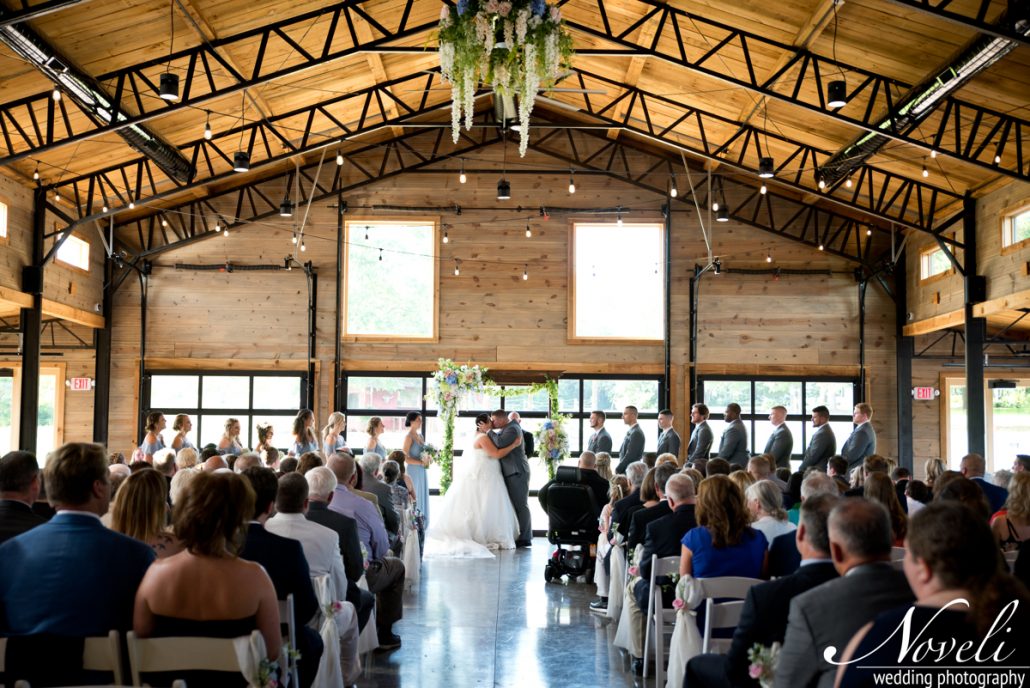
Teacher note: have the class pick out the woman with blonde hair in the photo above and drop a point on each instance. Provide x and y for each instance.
(880, 488)
(153, 441)
(696, 476)
(934, 469)
(304, 437)
(1012, 526)
(230, 442)
(741, 479)
(374, 430)
(141, 512)
(186, 458)
(332, 434)
(182, 425)
(604, 465)
(724, 543)
(765, 502)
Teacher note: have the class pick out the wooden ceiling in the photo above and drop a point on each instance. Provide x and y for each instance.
(646, 90)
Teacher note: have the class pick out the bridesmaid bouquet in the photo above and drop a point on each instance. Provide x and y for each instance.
(429, 453)
(763, 663)
(553, 443)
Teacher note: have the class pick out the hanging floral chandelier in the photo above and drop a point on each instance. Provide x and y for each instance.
(514, 46)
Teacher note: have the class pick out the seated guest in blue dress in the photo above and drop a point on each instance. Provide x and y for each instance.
(230, 442)
(723, 544)
(304, 437)
(72, 576)
(950, 555)
(332, 434)
(19, 489)
(208, 590)
(152, 441)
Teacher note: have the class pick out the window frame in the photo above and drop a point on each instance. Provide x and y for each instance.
(5, 222)
(1007, 230)
(73, 266)
(394, 220)
(196, 413)
(924, 259)
(59, 371)
(805, 416)
(571, 336)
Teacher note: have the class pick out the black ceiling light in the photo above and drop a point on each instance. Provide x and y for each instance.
(721, 215)
(837, 93)
(168, 87)
(503, 190)
(286, 208)
(241, 161)
(766, 168)
(717, 266)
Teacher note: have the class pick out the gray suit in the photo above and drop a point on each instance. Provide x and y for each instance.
(733, 446)
(515, 469)
(821, 447)
(632, 448)
(669, 442)
(861, 444)
(700, 445)
(781, 445)
(829, 615)
(600, 441)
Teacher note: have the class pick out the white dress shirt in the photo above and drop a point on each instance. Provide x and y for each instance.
(321, 547)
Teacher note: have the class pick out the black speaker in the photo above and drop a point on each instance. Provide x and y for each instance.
(976, 289)
(32, 279)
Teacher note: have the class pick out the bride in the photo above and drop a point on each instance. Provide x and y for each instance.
(477, 515)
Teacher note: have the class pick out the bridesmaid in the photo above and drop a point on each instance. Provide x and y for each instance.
(230, 442)
(182, 425)
(153, 441)
(304, 438)
(332, 434)
(416, 465)
(265, 431)
(375, 429)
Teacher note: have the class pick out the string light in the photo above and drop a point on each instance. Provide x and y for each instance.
(35, 173)
(525, 272)
(926, 172)
(715, 206)
(572, 184)
(933, 153)
(446, 239)
(207, 126)
(103, 209)
(822, 184)
(294, 238)
(763, 190)
(768, 258)
(529, 232)
(673, 191)
(303, 247)
(225, 231)
(218, 225)
(339, 159)
(618, 218)
(132, 204)
(820, 247)
(457, 268)
(847, 182)
(164, 222)
(997, 159)
(57, 196)
(56, 95)
(869, 232)
(462, 177)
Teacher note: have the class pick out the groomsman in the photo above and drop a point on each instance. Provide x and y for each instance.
(823, 444)
(733, 446)
(632, 448)
(600, 441)
(862, 442)
(669, 441)
(781, 442)
(701, 438)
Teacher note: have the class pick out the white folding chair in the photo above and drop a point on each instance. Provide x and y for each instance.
(898, 558)
(102, 653)
(659, 618)
(148, 655)
(731, 591)
(290, 673)
(1010, 560)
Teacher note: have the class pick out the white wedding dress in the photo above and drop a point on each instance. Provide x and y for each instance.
(476, 515)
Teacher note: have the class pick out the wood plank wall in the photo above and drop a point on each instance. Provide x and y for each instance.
(750, 324)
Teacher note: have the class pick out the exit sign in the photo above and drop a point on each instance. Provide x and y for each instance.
(924, 393)
(81, 384)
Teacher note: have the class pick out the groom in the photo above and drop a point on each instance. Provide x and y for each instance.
(515, 470)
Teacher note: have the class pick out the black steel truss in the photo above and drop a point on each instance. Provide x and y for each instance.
(822, 229)
(29, 11)
(975, 16)
(205, 74)
(965, 131)
(194, 221)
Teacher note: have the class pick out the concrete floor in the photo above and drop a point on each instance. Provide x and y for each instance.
(497, 623)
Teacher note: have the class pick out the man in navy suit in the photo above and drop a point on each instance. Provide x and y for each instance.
(19, 488)
(862, 442)
(72, 576)
(764, 616)
(973, 467)
(639, 521)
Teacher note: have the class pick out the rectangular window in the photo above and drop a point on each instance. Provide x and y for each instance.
(209, 399)
(617, 281)
(932, 263)
(3, 221)
(49, 428)
(757, 396)
(1015, 227)
(74, 252)
(1006, 419)
(391, 280)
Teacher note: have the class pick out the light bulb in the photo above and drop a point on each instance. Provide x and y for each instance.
(35, 173)
(303, 247)
(339, 158)
(525, 273)
(847, 182)
(715, 206)
(673, 191)
(446, 239)
(822, 183)
(618, 220)
(103, 209)
(933, 153)
(529, 232)
(820, 247)
(207, 132)
(997, 159)
(572, 186)
(164, 223)
(132, 204)
(295, 238)
(457, 270)
(768, 258)
(869, 232)
(57, 196)
(462, 178)
(763, 190)
(56, 95)
(926, 172)
(225, 231)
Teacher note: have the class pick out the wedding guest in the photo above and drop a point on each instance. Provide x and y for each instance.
(398, 491)
(265, 433)
(288, 465)
(1002, 478)
(215, 463)
(116, 457)
(19, 489)
(624, 509)
(416, 465)
(182, 425)
(784, 557)
(1012, 527)
(618, 489)
(765, 503)
(398, 457)
(874, 463)
(761, 468)
(164, 463)
(229, 444)
(659, 475)
(695, 475)
(949, 556)
(879, 488)
(270, 458)
(181, 482)
(942, 481)
(604, 465)
(153, 440)
(374, 430)
(960, 489)
(917, 495)
(973, 467)
(370, 463)
(742, 479)
(309, 460)
(597, 484)
(186, 457)
(38, 593)
(723, 544)
(860, 546)
(332, 434)
(141, 512)
(246, 460)
(305, 439)
(717, 466)
(934, 469)
(837, 467)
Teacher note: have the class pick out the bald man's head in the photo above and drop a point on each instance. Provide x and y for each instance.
(342, 466)
(215, 463)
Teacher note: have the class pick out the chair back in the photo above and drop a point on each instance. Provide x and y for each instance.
(897, 553)
(724, 601)
(290, 673)
(148, 655)
(658, 620)
(102, 653)
(1010, 560)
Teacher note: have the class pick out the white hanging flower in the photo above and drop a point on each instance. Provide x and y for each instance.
(521, 24)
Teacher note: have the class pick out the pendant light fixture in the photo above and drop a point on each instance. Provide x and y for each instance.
(673, 191)
(572, 183)
(168, 87)
(504, 186)
(766, 168)
(837, 89)
(462, 177)
(241, 159)
(207, 126)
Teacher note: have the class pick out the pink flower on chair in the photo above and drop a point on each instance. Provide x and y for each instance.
(754, 671)
(678, 604)
(634, 571)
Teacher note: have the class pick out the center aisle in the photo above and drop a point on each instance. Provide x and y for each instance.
(478, 622)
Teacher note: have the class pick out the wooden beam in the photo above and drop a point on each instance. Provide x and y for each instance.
(14, 298)
(375, 63)
(936, 323)
(72, 314)
(1020, 299)
(584, 368)
(291, 364)
(632, 76)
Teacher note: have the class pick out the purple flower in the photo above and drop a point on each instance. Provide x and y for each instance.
(754, 671)
(539, 7)
(463, 5)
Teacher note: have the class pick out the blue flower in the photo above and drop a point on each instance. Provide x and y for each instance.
(463, 5)
(548, 425)
(452, 378)
(539, 7)
(554, 453)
